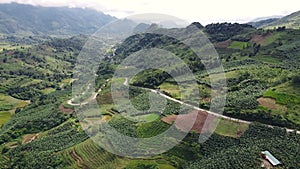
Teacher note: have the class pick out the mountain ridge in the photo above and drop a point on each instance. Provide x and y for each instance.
(291, 21)
(20, 19)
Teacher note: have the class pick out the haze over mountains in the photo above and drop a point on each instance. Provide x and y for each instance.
(27, 20)
(45, 122)
(289, 21)
(20, 19)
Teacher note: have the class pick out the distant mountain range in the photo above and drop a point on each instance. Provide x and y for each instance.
(263, 22)
(27, 20)
(290, 21)
(20, 19)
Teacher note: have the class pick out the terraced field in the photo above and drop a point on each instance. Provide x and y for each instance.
(89, 155)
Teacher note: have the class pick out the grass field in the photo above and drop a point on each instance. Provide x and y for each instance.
(283, 98)
(4, 117)
(288, 88)
(287, 101)
(237, 45)
(48, 90)
(8, 105)
(155, 164)
(165, 166)
(231, 128)
(172, 89)
(149, 117)
(217, 77)
(270, 39)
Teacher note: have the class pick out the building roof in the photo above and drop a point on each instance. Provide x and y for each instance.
(271, 158)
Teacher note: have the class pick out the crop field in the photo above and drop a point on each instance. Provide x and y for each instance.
(89, 155)
(150, 129)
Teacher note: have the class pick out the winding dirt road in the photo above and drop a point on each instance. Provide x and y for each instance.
(91, 98)
(126, 83)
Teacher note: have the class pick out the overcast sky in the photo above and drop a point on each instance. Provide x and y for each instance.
(205, 12)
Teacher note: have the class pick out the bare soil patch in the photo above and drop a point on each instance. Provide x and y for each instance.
(29, 138)
(223, 44)
(183, 121)
(65, 110)
(267, 102)
(260, 38)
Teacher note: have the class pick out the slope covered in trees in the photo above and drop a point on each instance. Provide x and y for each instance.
(258, 65)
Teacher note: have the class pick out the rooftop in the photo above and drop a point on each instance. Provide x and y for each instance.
(271, 158)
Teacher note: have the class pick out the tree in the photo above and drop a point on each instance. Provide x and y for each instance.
(17, 110)
(4, 150)
(296, 80)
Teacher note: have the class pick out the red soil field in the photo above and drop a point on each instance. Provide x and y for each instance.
(65, 110)
(183, 121)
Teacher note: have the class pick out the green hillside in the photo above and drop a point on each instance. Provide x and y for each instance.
(291, 21)
(262, 75)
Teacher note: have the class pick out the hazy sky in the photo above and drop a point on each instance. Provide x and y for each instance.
(191, 10)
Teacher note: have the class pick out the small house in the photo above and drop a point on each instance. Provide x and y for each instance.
(268, 156)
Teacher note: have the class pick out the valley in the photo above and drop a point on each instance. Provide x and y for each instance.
(46, 123)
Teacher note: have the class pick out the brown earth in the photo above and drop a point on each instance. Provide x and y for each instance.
(223, 44)
(65, 110)
(260, 38)
(183, 121)
(267, 102)
(29, 138)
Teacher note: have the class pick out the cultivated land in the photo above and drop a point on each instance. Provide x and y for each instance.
(261, 111)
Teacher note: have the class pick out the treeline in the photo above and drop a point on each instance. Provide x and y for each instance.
(223, 31)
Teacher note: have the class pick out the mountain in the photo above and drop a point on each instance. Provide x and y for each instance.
(267, 17)
(42, 124)
(23, 19)
(263, 22)
(290, 21)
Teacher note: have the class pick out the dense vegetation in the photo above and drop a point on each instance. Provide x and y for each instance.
(255, 61)
(220, 152)
(262, 75)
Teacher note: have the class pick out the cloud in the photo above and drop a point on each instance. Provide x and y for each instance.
(192, 10)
